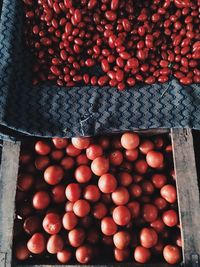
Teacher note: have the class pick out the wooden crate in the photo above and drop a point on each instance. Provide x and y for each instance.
(188, 197)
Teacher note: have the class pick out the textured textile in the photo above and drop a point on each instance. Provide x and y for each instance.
(47, 110)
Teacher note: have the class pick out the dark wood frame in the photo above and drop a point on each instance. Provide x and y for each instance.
(188, 197)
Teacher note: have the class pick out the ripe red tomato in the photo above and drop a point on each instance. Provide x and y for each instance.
(116, 158)
(158, 248)
(121, 254)
(134, 208)
(125, 179)
(121, 239)
(76, 237)
(58, 194)
(86, 222)
(25, 210)
(137, 178)
(126, 166)
(108, 226)
(42, 162)
(82, 160)
(159, 180)
(179, 241)
(69, 220)
(73, 192)
(64, 256)
(107, 183)
(154, 159)
(69, 206)
(21, 251)
(160, 203)
(130, 140)
(53, 174)
(149, 212)
(67, 163)
(72, 151)
(91, 193)
(168, 192)
(142, 255)
(170, 218)
(116, 142)
(104, 142)
(106, 198)
(172, 254)
(41, 200)
(158, 225)
(131, 154)
(83, 174)
(60, 143)
(81, 208)
(147, 187)
(100, 166)
(99, 210)
(84, 254)
(148, 237)
(32, 224)
(121, 215)
(81, 142)
(120, 196)
(25, 182)
(159, 142)
(55, 244)
(42, 148)
(141, 166)
(37, 243)
(25, 157)
(94, 151)
(57, 155)
(146, 146)
(135, 190)
(52, 223)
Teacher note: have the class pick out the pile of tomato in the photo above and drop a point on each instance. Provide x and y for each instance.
(87, 199)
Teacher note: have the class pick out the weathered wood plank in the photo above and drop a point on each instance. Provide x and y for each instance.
(8, 178)
(188, 193)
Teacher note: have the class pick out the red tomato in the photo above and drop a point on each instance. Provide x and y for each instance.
(83, 174)
(82, 160)
(37, 243)
(58, 194)
(104, 142)
(60, 143)
(146, 146)
(179, 241)
(81, 208)
(32, 225)
(57, 155)
(172, 254)
(168, 192)
(148, 237)
(84, 254)
(64, 256)
(100, 166)
(121, 239)
(21, 251)
(135, 190)
(137, 178)
(25, 182)
(67, 163)
(69, 206)
(130, 140)
(125, 179)
(116, 142)
(69, 221)
(73, 192)
(147, 187)
(81, 142)
(108, 226)
(134, 208)
(107, 183)
(72, 151)
(141, 166)
(53, 174)
(131, 154)
(160, 203)
(42, 162)
(120, 196)
(86, 221)
(159, 142)
(121, 255)
(76, 237)
(159, 180)
(52, 223)
(99, 210)
(94, 151)
(149, 212)
(25, 210)
(142, 255)
(158, 225)
(170, 218)
(25, 157)
(121, 215)
(41, 200)
(55, 244)
(154, 159)
(158, 248)
(42, 148)
(91, 193)
(116, 158)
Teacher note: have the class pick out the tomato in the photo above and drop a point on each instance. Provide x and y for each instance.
(146, 146)
(100, 166)
(137, 178)
(148, 237)
(121, 239)
(120, 196)
(141, 166)
(86, 221)
(25, 157)
(53, 174)
(37, 243)
(154, 159)
(116, 142)
(69, 220)
(149, 212)
(69, 206)
(158, 248)
(42, 148)
(99, 210)
(141, 254)
(121, 215)
(83, 174)
(107, 183)
(25, 182)
(67, 163)
(64, 256)
(104, 142)
(179, 241)
(72, 151)
(58, 194)
(125, 179)
(160, 203)
(130, 140)
(106, 198)
(170, 218)
(76, 237)
(82, 160)
(172, 254)
(91, 193)
(55, 244)
(94, 151)
(126, 166)
(134, 208)
(147, 187)
(135, 190)
(81, 142)
(84, 254)
(21, 251)
(131, 154)
(158, 225)
(42, 162)
(60, 143)
(168, 192)
(81, 208)
(25, 210)
(41, 200)
(121, 254)
(108, 226)
(116, 158)
(73, 192)
(159, 180)
(57, 155)
(52, 223)
(159, 142)
(32, 224)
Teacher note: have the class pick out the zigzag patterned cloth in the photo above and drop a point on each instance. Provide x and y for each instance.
(47, 110)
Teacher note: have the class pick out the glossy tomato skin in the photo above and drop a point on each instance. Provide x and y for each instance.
(116, 158)
(42, 148)
(64, 256)
(108, 226)
(141, 166)
(107, 183)
(81, 142)
(100, 166)
(170, 218)
(60, 143)
(41, 200)
(130, 140)
(148, 237)
(42, 162)
(121, 254)
(141, 254)
(121, 215)
(134, 208)
(149, 212)
(52, 223)
(154, 159)
(76, 237)
(84, 254)
(37, 243)
(21, 251)
(125, 179)
(94, 151)
(159, 180)
(58, 194)
(172, 254)
(91, 193)
(168, 192)
(25, 182)
(82, 160)
(146, 146)
(69, 220)
(158, 225)
(131, 154)
(99, 210)
(67, 163)
(32, 224)
(83, 174)
(53, 174)
(121, 239)
(120, 196)
(72, 151)
(81, 208)
(55, 244)
(160, 203)
(73, 192)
